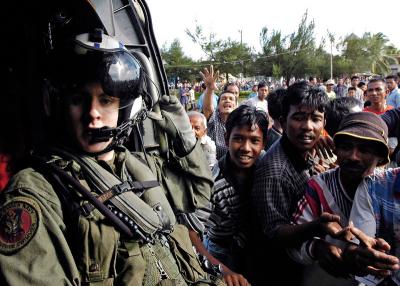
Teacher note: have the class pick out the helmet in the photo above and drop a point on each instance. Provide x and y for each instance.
(101, 58)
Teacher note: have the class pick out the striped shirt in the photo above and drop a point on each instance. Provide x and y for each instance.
(324, 193)
(376, 208)
(229, 213)
(216, 130)
(226, 218)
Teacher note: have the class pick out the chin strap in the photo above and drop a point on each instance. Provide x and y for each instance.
(119, 134)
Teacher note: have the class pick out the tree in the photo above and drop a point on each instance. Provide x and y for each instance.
(234, 58)
(379, 53)
(370, 53)
(177, 65)
(209, 45)
(229, 57)
(293, 53)
(273, 48)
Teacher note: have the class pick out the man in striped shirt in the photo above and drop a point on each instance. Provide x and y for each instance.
(226, 229)
(361, 146)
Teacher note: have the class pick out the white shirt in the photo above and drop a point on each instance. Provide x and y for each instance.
(259, 104)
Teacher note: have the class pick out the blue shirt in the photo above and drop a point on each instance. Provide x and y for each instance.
(376, 209)
(201, 98)
(393, 98)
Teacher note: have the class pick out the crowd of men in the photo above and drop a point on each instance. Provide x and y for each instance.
(292, 162)
(291, 186)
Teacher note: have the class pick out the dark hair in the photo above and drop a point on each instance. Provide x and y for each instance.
(354, 77)
(337, 109)
(311, 78)
(230, 84)
(392, 76)
(361, 84)
(262, 84)
(378, 79)
(246, 115)
(351, 88)
(203, 86)
(302, 93)
(274, 100)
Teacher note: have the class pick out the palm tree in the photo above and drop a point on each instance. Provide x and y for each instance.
(379, 53)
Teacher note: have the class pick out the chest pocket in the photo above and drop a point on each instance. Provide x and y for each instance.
(97, 250)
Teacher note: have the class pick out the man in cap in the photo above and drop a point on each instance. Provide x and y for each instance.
(90, 212)
(330, 83)
(361, 146)
(375, 211)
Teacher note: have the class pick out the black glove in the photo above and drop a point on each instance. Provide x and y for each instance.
(175, 122)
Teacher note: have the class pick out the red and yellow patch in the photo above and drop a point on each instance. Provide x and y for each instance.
(18, 224)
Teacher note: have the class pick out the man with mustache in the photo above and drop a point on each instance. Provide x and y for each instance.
(280, 180)
(360, 146)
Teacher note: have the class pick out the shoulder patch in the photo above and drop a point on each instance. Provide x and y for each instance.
(19, 220)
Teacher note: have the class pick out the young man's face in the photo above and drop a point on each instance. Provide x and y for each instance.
(376, 92)
(356, 157)
(263, 92)
(355, 81)
(303, 126)
(227, 103)
(391, 84)
(234, 90)
(90, 108)
(351, 93)
(245, 145)
(198, 126)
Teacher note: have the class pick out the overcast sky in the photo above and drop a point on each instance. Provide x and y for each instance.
(226, 17)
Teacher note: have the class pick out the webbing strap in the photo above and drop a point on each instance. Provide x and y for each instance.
(65, 177)
(121, 188)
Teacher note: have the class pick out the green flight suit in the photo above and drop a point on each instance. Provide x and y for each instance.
(44, 241)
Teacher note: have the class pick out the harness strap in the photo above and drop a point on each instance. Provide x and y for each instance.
(128, 186)
(64, 176)
(119, 189)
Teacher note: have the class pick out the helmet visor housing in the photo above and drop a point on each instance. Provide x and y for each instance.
(108, 63)
(104, 61)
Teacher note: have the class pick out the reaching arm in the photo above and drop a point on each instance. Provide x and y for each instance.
(209, 79)
(231, 278)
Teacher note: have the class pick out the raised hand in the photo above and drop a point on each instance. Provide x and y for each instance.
(210, 78)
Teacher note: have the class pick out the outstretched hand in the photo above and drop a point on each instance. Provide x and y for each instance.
(210, 78)
(330, 225)
(370, 257)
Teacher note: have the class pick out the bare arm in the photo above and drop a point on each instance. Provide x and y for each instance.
(231, 278)
(209, 79)
(291, 235)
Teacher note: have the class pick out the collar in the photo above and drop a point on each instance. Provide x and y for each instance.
(299, 163)
(276, 130)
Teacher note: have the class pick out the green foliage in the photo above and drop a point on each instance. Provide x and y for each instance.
(294, 55)
(369, 53)
(229, 57)
(176, 63)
